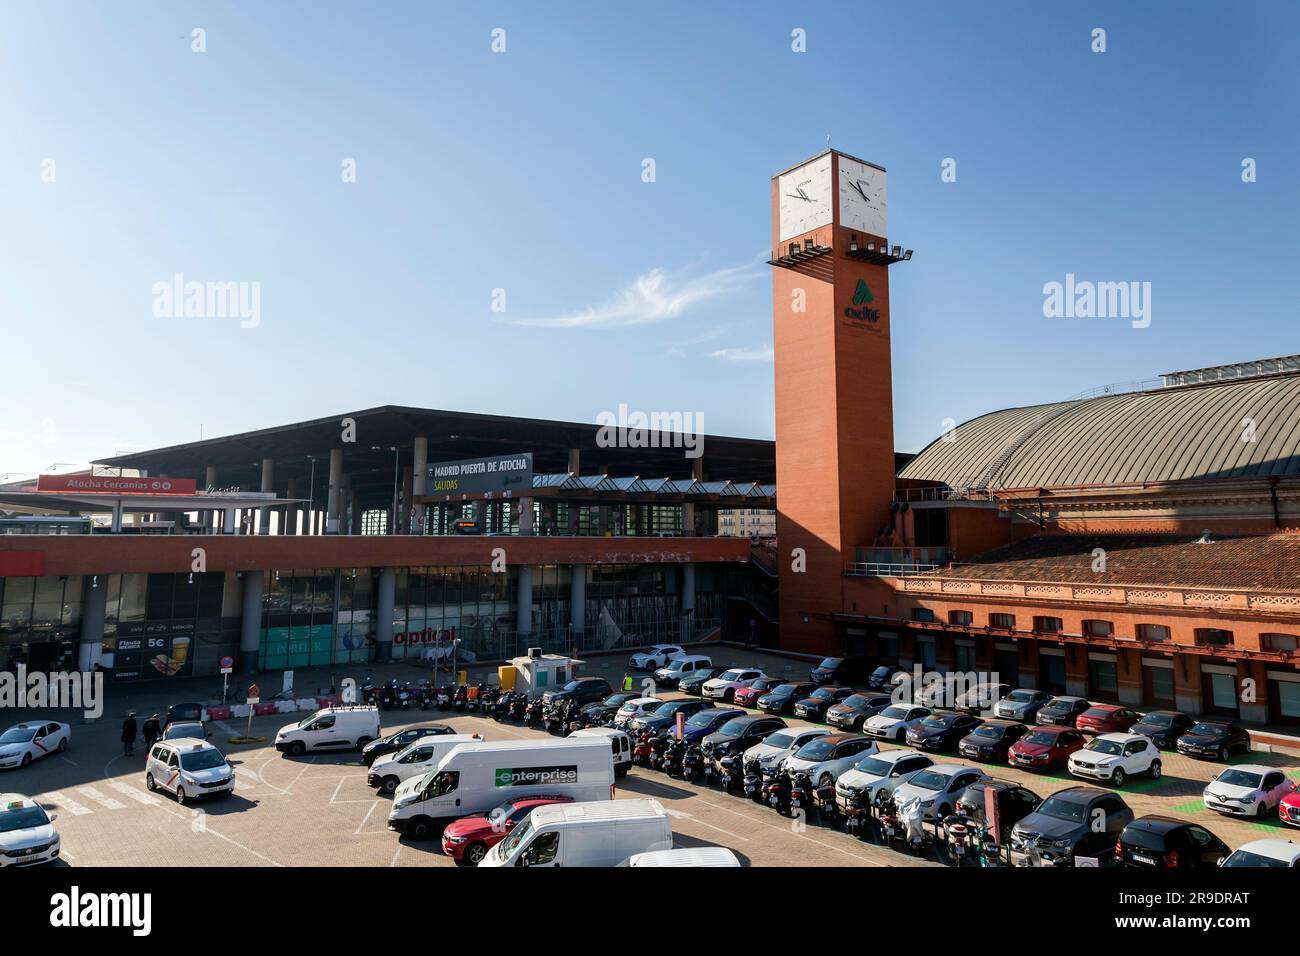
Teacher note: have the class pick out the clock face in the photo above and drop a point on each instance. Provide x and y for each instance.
(862, 198)
(805, 197)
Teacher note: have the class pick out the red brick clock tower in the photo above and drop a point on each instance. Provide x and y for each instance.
(834, 392)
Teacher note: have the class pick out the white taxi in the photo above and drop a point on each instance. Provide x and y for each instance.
(23, 743)
(27, 834)
(189, 769)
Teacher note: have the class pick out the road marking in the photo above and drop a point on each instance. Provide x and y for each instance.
(67, 803)
(105, 801)
(683, 815)
(136, 794)
(366, 818)
(306, 765)
(66, 760)
(393, 862)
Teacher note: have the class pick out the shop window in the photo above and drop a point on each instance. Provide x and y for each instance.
(1095, 628)
(1153, 632)
(960, 617)
(1047, 625)
(1213, 637)
(923, 615)
(1005, 621)
(1279, 642)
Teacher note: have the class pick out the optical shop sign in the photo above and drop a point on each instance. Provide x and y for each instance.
(495, 476)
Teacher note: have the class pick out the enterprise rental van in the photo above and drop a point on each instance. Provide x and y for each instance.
(476, 778)
(585, 834)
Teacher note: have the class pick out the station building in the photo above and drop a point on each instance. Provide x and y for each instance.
(1137, 545)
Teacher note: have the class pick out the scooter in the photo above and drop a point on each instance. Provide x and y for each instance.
(404, 697)
(460, 698)
(658, 748)
(752, 780)
(553, 721)
(913, 821)
(573, 717)
(801, 794)
(500, 708)
(857, 815)
(444, 698)
(828, 809)
(533, 714)
(729, 772)
(776, 790)
(641, 751)
(959, 833)
(888, 827)
(692, 763)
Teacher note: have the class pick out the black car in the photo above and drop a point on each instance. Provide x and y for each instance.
(782, 699)
(664, 719)
(190, 713)
(399, 741)
(1074, 822)
(1217, 739)
(814, 706)
(991, 740)
(694, 683)
(1158, 841)
(841, 670)
(583, 690)
(739, 734)
(941, 730)
(1014, 803)
(852, 712)
(601, 709)
(882, 678)
(1164, 727)
(1062, 711)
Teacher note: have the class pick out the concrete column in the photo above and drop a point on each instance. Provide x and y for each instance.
(688, 509)
(688, 601)
(524, 602)
(94, 602)
(525, 516)
(250, 624)
(480, 514)
(420, 467)
(268, 485)
(578, 600)
(334, 499)
(291, 512)
(404, 503)
(384, 615)
(575, 460)
(117, 515)
(227, 520)
(1187, 684)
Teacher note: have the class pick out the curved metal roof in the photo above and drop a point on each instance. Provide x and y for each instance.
(1166, 434)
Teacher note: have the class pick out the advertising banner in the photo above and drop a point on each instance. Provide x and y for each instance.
(501, 476)
(113, 485)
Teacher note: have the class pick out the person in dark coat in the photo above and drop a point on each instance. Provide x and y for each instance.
(151, 731)
(128, 735)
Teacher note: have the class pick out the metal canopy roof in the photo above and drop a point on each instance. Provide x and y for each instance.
(754, 494)
(369, 461)
(1164, 434)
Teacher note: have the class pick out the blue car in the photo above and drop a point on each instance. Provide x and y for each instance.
(705, 722)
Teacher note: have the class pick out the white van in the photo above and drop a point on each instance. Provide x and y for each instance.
(620, 745)
(334, 728)
(475, 778)
(688, 856)
(188, 769)
(415, 760)
(585, 834)
(683, 666)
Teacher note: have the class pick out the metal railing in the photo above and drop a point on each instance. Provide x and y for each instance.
(875, 569)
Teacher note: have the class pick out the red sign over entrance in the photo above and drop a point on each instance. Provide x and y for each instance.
(113, 485)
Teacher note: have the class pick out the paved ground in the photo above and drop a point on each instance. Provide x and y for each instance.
(318, 810)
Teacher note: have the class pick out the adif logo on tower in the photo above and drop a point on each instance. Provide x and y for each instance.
(861, 298)
(1098, 300)
(179, 299)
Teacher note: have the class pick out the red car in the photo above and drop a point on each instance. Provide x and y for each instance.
(748, 695)
(1107, 719)
(1045, 748)
(1288, 811)
(468, 839)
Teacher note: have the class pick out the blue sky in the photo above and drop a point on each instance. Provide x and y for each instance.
(522, 171)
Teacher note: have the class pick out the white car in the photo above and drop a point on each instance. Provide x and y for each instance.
(23, 743)
(725, 685)
(824, 758)
(27, 834)
(1271, 853)
(656, 657)
(893, 722)
(880, 772)
(189, 769)
(684, 665)
(417, 759)
(633, 709)
(781, 744)
(1115, 757)
(1247, 790)
(938, 788)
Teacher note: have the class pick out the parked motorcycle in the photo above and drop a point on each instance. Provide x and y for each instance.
(460, 698)
(444, 698)
(856, 812)
(828, 810)
(641, 751)
(553, 720)
(888, 827)
(752, 780)
(533, 714)
(692, 763)
(730, 774)
(404, 696)
(777, 788)
(802, 798)
(518, 705)
(500, 707)
(914, 826)
(658, 747)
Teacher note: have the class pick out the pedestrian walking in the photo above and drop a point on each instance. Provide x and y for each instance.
(151, 731)
(128, 735)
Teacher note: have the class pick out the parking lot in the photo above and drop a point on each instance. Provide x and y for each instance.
(318, 810)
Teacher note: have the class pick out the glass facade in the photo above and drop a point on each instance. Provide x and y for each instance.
(40, 619)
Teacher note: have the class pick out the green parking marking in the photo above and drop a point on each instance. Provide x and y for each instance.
(1191, 806)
